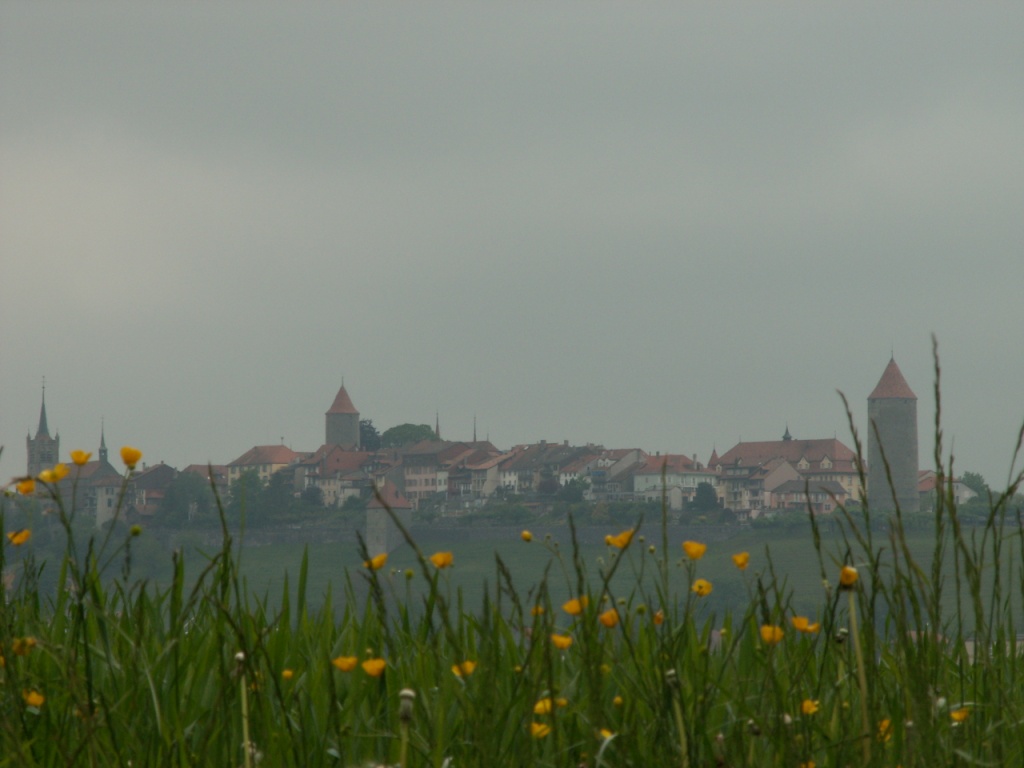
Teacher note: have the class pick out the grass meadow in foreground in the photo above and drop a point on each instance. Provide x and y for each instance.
(577, 666)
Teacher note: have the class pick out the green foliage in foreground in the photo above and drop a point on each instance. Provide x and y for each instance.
(641, 671)
(125, 674)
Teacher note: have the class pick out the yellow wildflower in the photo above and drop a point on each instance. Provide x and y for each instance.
(526, 536)
(620, 540)
(848, 577)
(808, 764)
(741, 560)
(561, 642)
(287, 674)
(959, 715)
(803, 624)
(694, 549)
(617, 701)
(609, 618)
(606, 734)
(465, 669)
(345, 663)
(22, 646)
(441, 559)
(575, 606)
(659, 618)
(809, 706)
(374, 667)
(544, 706)
(884, 729)
(539, 730)
(771, 634)
(80, 457)
(376, 562)
(55, 475)
(702, 587)
(33, 698)
(26, 486)
(130, 456)
(537, 610)
(17, 538)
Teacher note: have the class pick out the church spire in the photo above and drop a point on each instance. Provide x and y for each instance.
(43, 428)
(103, 443)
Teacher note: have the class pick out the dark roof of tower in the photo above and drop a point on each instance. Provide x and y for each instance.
(892, 385)
(43, 428)
(343, 403)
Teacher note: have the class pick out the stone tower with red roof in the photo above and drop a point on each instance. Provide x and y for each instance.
(892, 431)
(343, 422)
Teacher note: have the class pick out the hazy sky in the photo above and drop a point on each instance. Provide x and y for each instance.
(663, 226)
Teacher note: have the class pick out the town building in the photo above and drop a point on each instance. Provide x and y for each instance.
(892, 444)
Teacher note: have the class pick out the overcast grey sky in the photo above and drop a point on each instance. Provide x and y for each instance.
(669, 227)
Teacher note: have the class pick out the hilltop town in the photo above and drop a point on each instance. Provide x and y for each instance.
(413, 468)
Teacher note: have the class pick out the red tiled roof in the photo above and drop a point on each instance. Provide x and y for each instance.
(342, 403)
(892, 385)
(673, 462)
(790, 450)
(266, 454)
(392, 497)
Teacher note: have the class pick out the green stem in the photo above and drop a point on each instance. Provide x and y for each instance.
(862, 682)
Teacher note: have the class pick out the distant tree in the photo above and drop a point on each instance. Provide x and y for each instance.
(705, 499)
(976, 483)
(404, 434)
(312, 496)
(369, 437)
(244, 494)
(573, 491)
(188, 498)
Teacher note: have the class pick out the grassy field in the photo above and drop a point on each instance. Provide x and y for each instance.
(848, 645)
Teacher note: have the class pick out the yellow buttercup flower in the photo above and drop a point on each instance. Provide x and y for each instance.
(539, 730)
(441, 559)
(771, 634)
(33, 698)
(809, 706)
(80, 457)
(741, 560)
(694, 549)
(803, 624)
(702, 587)
(959, 715)
(345, 663)
(22, 646)
(537, 610)
(26, 486)
(544, 706)
(55, 475)
(575, 606)
(17, 538)
(617, 701)
(287, 674)
(808, 764)
(526, 536)
(374, 667)
(659, 618)
(130, 456)
(620, 540)
(465, 669)
(606, 734)
(609, 618)
(884, 729)
(376, 562)
(848, 577)
(561, 642)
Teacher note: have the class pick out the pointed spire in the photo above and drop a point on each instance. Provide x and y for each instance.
(892, 384)
(342, 402)
(437, 425)
(474, 427)
(43, 428)
(103, 442)
(787, 437)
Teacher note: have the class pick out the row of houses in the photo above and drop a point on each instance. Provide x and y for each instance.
(751, 478)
